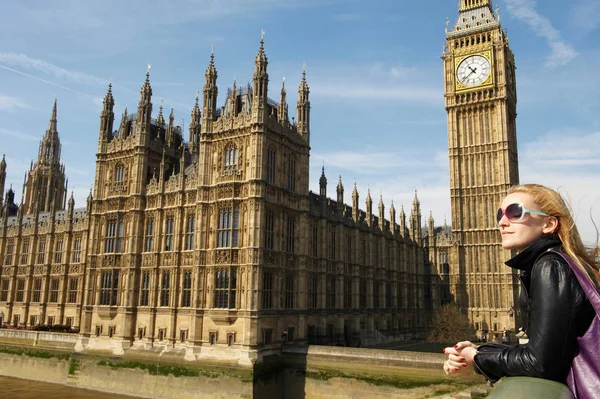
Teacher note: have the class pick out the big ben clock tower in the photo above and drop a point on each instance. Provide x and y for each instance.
(481, 99)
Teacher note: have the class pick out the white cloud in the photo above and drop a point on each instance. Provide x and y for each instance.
(525, 10)
(375, 82)
(567, 161)
(356, 90)
(11, 104)
(19, 135)
(26, 62)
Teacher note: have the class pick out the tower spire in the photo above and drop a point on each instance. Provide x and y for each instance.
(107, 118)
(282, 112)
(260, 82)
(210, 92)
(303, 107)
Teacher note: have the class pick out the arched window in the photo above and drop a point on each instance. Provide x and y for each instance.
(119, 174)
(231, 157)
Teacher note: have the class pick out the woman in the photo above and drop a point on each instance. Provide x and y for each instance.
(533, 219)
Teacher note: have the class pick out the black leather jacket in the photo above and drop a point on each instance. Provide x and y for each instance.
(556, 312)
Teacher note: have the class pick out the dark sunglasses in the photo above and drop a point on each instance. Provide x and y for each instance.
(516, 212)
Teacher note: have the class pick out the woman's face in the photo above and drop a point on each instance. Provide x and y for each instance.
(518, 235)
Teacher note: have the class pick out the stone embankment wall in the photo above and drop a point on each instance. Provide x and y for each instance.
(313, 372)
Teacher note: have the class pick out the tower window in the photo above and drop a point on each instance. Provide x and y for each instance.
(54, 283)
(165, 288)
(37, 290)
(225, 288)
(291, 174)
(119, 175)
(41, 258)
(169, 231)
(77, 251)
(73, 283)
(145, 292)
(109, 288)
(189, 233)
(58, 251)
(231, 157)
(25, 252)
(271, 157)
(149, 235)
(228, 229)
(186, 293)
(113, 242)
(269, 230)
(267, 299)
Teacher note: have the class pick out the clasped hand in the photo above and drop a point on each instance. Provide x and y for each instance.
(460, 357)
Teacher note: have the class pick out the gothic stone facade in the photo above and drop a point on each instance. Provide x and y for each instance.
(214, 245)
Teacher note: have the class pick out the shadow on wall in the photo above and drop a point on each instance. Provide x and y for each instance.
(281, 377)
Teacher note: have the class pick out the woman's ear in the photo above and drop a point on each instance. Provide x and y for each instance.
(551, 225)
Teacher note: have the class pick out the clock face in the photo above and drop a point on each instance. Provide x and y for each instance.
(473, 70)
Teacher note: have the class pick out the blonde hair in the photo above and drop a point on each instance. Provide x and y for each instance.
(552, 203)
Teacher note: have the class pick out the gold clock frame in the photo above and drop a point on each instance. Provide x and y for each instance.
(459, 87)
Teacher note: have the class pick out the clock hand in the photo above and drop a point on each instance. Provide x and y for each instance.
(473, 70)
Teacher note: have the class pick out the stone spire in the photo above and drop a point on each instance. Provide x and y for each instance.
(381, 215)
(392, 218)
(282, 112)
(210, 93)
(44, 183)
(402, 222)
(49, 151)
(107, 118)
(260, 84)
(323, 183)
(369, 204)
(2, 180)
(144, 113)
(195, 125)
(303, 108)
(355, 210)
(340, 196)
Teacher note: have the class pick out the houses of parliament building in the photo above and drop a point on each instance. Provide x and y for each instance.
(216, 245)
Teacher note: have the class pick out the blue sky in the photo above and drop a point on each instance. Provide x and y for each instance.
(373, 67)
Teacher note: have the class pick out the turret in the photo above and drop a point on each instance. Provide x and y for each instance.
(160, 119)
(355, 210)
(44, 184)
(2, 180)
(323, 191)
(195, 125)
(71, 207)
(303, 109)
(170, 137)
(144, 114)
(107, 118)
(49, 151)
(369, 203)
(415, 219)
(402, 222)
(210, 92)
(392, 218)
(260, 85)
(282, 112)
(234, 105)
(340, 197)
(123, 126)
(381, 215)
(431, 229)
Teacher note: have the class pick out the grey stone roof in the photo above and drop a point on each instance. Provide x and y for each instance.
(472, 21)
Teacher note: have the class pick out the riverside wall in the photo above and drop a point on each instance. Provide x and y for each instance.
(294, 372)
